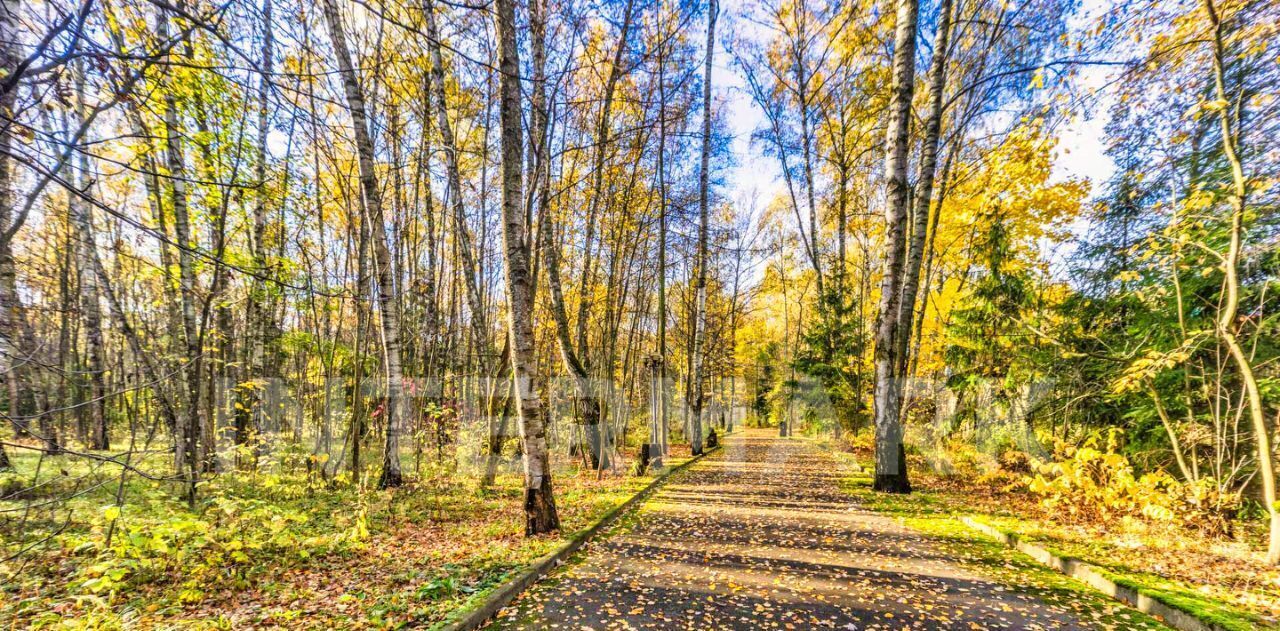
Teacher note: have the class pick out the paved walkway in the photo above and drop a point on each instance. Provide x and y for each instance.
(760, 536)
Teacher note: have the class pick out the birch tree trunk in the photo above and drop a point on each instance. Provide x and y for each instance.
(587, 398)
(82, 221)
(700, 282)
(807, 150)
(453, 179)
(924, 190)
(588, 404)
(539, 504)
(10, 361)
(891, 465)
(539, 189)
(390, 317)
(662, 422)
(601, 147)
(498, 429)
(249, 398)
(186, 456)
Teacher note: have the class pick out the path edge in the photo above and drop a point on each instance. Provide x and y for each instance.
(475, 617)
(1099, 579)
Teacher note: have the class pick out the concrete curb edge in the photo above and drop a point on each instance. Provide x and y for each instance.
(1098, 579)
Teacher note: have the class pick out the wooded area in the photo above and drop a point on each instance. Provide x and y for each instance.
(290, 280)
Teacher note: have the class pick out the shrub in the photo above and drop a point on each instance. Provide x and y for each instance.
(1014, 461)
(1093, 483)
(860, 442)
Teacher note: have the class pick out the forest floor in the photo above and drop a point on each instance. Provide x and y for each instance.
(278, 550)
(769, 533)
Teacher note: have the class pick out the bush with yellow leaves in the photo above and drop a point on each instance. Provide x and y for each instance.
(1094, 483)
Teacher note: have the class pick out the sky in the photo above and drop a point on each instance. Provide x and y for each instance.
(1082, 152)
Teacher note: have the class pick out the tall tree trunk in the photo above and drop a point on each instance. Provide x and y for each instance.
(185, 447)
(82, 220)
(222, 345)
(174, 394)
(390, 317)
(924, 190)
(597, 175)
(453, 180)
(434, 362)
(364, 294)
(258, 312)
(67, 391)
(153, 371)
(11, 363)
(588, 398)
(498, 430)
(698, 323)
(891, 465)
(930, 255)
(1227, 325)
(661, 421)
(588, 403)
(539, 505)
(806, 145)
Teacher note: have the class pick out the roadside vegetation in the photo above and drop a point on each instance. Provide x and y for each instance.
(284, 548)
(1085, 503)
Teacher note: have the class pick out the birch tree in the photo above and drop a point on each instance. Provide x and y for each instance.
(891, 465)
(539, 503)
(393, 379)
(698, 323)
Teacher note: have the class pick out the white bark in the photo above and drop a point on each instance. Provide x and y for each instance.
(540, 507)
(10, 356)
(82, 221)
(924, 188)
(699, 324)
(891, 469)
(393, 378)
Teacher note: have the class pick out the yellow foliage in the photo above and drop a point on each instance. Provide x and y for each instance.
(1012, 182)
(1145, 368)
(1097, 484)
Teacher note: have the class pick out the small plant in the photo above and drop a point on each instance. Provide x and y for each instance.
(438, 588)
(1095, 483)
(1014, 461)
(225, 544)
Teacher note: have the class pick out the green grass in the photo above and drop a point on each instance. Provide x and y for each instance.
(1172, 593)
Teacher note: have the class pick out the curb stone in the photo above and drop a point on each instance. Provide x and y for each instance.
(481, 613)
(1098, 579)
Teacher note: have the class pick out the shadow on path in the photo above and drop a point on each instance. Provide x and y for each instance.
(761, 536)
